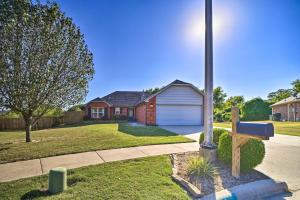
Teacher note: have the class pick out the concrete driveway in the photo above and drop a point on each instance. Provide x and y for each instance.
(282, 160)
(192, 132)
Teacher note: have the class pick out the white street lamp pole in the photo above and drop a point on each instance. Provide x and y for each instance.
(208, 98)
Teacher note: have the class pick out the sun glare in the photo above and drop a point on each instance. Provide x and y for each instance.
(221, 27)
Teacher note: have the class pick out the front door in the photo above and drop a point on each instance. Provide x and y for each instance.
(130, 114)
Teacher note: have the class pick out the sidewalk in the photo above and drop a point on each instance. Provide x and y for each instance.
(36, 167)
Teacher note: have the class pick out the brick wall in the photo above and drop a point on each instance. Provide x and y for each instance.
(124, 111)
(140, 113)
(283, 109)
(100, 105)
(151, 112)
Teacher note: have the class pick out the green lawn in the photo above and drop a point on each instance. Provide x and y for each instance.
(58, 141)
(146, 178)
(286, 128)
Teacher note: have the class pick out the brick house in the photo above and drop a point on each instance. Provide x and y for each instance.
(178, 103)
(289, 108)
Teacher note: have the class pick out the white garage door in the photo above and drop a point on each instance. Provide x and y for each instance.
(178, 115)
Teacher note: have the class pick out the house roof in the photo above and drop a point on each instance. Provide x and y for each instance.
(176, 82)
(291, 99)
(133, 98)
(124, 98)
(179, 82)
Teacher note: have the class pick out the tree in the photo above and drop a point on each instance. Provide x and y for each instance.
(256, 109)
(219, 97)
(235, 101)
(79, 107)
(152, 90)
(279, 95)
(296, 86)
(44, 61)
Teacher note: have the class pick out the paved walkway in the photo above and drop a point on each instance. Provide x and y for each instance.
(29, 168)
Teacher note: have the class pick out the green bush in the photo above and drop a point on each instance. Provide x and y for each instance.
(217, 133)
(226, 117)
(256, 109)
(200, 167)
(252, 153)
(218, 116)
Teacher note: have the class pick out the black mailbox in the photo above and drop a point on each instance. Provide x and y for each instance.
(256, 129)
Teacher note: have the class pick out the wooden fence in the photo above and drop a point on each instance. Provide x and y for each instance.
(72, 117)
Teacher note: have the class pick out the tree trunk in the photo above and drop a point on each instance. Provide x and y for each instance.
(28, 121)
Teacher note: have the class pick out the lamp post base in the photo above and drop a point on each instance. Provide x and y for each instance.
(209, 153)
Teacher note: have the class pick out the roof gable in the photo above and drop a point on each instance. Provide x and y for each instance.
(176, 82)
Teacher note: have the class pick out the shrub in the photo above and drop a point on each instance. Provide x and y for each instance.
(218, 116)
(217, 133)
(276, 116)
(252, 153)
(200, 167)
(226, 117)
(256, 109)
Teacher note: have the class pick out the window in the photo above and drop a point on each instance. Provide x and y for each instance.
(117, 110)
(97, 112)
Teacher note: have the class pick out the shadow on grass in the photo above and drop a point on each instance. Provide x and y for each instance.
(144, 131)
(33, 194)
(4, 148)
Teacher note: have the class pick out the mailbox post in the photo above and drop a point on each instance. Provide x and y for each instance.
(241, 133)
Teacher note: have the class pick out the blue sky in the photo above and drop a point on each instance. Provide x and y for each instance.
(138, 44)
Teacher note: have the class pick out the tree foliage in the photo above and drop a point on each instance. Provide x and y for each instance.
(79, 107)
(279, 95)
(219, 97)
(296, 85)
(44, 61)
(235, 101)
(152, 90)
(256, 109)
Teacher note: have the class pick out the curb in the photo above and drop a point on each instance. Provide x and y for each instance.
(253, 190)
(192, 190)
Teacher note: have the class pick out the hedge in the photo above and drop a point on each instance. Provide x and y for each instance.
(252, 153)
(256, 109)
(217, 133)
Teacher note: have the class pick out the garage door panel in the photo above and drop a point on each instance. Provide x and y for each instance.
(178, 115)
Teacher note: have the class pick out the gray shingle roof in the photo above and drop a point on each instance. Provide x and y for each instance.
(125, 98)
(290, 99)
(179, 82)
(129, 98)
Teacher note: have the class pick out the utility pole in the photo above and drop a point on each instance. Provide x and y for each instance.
(208, 97)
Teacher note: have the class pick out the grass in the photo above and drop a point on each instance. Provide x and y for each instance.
(147, 178)
(58, 141)
(286, 128)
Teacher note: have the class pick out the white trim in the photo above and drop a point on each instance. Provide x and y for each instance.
(99, 114)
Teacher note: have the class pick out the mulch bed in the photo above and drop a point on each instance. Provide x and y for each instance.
(222, 180)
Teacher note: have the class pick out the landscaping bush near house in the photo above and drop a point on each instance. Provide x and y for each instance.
(252, 153)
(199, 166)
(276, 116)
(217, 133)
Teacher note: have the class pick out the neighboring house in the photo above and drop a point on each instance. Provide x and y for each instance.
(179, 103)
(289, 108)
